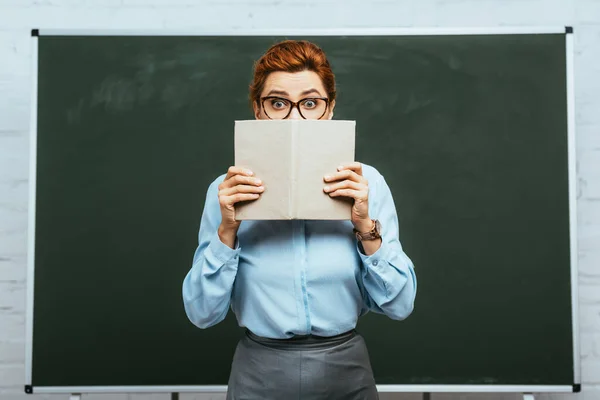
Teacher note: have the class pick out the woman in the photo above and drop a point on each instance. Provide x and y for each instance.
(299, 286)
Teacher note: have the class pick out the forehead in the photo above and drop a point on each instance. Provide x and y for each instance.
(293, 83)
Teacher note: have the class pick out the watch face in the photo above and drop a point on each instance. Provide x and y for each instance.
(377, 226)
(372, 234)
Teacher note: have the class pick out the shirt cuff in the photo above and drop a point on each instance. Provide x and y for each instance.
(375, 259)
(221, 251)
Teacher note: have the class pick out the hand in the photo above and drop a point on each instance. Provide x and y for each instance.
(239, 185)
(349, 182)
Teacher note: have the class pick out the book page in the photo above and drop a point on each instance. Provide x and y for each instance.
(264, 147)
(320, 147)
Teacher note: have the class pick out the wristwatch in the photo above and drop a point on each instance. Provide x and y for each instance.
(374, 233)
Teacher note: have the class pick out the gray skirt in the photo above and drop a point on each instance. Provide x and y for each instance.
(306, 367)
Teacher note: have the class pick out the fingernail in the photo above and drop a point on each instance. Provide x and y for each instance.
(327, 177)
(249, 172)
(340, 168)
(326, 188)
(261, 188)
(258, 181)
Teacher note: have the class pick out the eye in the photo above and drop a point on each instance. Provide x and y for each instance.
(309, 103)
(278, 104)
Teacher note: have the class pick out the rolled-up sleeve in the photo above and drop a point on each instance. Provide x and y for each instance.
(208, 285)
(388, 275)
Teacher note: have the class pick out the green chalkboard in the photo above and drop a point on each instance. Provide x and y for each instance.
(470, 132)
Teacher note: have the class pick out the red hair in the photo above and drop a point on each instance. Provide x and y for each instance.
(292, 56)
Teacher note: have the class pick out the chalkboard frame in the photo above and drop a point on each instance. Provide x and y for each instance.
(568, 31)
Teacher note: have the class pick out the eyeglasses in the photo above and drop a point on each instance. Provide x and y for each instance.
(280, 108)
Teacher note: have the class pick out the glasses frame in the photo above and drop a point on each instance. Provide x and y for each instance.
(294, 104)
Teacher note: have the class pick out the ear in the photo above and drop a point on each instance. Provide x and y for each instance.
(256, 108)
(331, 107)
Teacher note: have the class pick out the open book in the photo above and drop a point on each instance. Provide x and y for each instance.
(291, 157)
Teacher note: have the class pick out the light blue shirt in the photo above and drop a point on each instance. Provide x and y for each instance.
(299, 277)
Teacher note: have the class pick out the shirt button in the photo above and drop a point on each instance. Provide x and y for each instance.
(375, 262)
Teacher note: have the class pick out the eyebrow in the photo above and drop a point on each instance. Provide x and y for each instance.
(309, 91)
(278, 92)
(284, 93)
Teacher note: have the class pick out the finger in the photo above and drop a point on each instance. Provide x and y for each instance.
(345, 174)
(346, 184)
(236, 198)
(355, 194)
(238, 171)
(353, 166)
(241, 189)
(240, 180)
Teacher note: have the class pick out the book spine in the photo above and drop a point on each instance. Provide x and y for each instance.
(293, 203)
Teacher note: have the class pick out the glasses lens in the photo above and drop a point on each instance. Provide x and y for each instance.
(313, 108)
(276, 108)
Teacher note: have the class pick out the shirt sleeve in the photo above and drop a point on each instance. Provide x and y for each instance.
(388, 275)
(208, 285)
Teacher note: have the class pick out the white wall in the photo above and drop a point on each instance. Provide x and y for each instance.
(17, 17)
